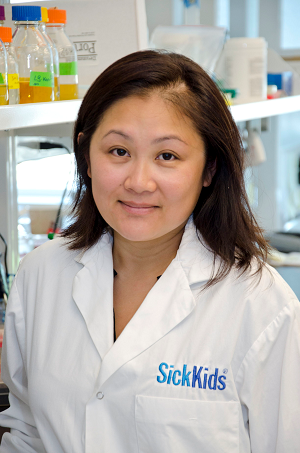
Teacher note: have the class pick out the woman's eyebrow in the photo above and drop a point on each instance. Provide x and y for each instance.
(156, 140)
(168, 137)
(115, 131)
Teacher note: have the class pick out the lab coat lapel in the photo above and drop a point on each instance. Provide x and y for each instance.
(166, 305)
(93, 292)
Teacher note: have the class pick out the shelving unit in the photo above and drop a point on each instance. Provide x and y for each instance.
(42, 114)
(46, 113)
(58, 117)
(265, 109)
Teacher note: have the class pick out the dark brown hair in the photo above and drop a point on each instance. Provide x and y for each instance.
(222, 214)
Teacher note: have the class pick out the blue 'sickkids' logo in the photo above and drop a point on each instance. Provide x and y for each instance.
(198, 377)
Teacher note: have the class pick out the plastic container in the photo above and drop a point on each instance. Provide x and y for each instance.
(12, 67)
(68, 73)
(245, 61)
(54, 51)
(200, 43)
(3, 75)
(33, 55)
(283, 81)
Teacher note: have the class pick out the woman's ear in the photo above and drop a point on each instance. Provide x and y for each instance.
(209, 173)
(86, 157)
(79, 137)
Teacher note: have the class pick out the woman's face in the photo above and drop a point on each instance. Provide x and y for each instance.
(146, 167)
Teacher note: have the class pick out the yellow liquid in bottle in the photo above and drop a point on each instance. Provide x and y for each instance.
(3, 95)
(56, 89)
(68, 92)
(30, 94)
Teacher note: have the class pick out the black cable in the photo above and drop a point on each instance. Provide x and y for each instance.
(51, 235)
(48, 145)
(5, 257)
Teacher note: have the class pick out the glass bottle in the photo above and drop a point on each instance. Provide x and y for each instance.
(68, 73)
(54, 50)
(3, 75)
(12, 67)
(33, 55)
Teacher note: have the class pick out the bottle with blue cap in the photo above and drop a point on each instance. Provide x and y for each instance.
(34, 56)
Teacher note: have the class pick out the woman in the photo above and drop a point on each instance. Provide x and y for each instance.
(154, 324)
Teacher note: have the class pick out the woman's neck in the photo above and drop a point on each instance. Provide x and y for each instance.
(151, 257)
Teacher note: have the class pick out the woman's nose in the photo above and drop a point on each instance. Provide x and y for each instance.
(140, 178)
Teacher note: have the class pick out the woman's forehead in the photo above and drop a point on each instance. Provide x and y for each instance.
(153, 113)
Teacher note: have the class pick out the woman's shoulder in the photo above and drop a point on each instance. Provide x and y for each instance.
(53, 255)
(50, 249)
(268, 282)
(261, 298)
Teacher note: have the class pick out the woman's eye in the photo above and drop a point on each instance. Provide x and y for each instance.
(166, 156)
(120, 152)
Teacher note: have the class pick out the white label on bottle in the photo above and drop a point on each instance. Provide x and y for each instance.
(68, 79)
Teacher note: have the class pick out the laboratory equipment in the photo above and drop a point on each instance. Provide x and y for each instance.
(245, 61)
(200, 43)
(68, 72)
(33, 55)
(12, 67)
(44, 14)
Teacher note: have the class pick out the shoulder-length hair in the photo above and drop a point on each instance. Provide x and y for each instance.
(222, 214)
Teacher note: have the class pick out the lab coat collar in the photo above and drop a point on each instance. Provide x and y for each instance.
(195, 256)
(93, 292)
(166, 305)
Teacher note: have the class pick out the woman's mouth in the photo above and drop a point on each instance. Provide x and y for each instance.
(137, 208)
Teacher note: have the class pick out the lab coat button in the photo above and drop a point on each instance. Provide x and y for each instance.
(100, 395)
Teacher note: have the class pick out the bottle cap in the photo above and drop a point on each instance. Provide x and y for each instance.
(5, 34)
(2, 12)
(44, 13)
(57, 16)
(26, 13)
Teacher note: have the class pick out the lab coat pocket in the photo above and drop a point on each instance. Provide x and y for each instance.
(179, 425)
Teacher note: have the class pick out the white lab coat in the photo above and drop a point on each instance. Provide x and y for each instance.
(210, 372)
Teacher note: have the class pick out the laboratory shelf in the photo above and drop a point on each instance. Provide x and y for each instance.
(48, 113)
(41, 114)
(265, 109)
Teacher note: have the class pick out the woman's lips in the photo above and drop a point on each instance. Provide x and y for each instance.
(137, 208)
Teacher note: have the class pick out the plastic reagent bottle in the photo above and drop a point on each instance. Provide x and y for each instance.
(12, 67)
(3, 75)
(54, 50)
(68, 73)
(2, 15)
(33, 55)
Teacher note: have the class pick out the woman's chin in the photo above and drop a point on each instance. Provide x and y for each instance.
(137, 235)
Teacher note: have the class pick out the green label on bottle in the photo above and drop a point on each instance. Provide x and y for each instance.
(41, 79)
(68, 68)
(1, 78)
